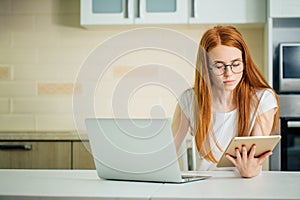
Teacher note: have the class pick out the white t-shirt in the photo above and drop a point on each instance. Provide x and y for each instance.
(224, 124)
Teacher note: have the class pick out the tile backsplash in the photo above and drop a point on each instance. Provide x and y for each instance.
(4, 73)
(55, 88)
(42, 49)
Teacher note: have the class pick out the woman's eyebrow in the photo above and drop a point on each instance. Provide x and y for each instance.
(220, 61)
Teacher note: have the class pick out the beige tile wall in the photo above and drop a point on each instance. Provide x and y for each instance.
(42, 48)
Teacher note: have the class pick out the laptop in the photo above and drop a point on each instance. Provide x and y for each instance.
(136, 150)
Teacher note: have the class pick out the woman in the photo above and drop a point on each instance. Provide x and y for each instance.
(230, 98)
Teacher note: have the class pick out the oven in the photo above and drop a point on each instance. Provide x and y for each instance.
(290, 132)
(290, 143)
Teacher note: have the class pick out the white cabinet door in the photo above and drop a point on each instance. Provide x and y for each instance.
(162, 12)
(94, 12)
(101, 12)
(228, 11)
(284, 8)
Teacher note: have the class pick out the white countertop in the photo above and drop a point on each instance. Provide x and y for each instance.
(42, 135)
(85, 184)
(68, 183)
(227, 185)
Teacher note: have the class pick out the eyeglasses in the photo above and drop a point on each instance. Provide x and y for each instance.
(219, 68)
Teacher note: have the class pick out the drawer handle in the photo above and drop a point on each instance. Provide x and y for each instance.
(15, 147)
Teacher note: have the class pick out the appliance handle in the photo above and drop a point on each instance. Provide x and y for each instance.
(15, 147)
(293, 124)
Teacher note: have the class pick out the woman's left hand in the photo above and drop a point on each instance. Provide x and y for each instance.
(248, 165)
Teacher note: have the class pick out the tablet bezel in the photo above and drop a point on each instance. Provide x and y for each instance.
(263, 144)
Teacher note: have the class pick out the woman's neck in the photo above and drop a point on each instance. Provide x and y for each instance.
(223, 101)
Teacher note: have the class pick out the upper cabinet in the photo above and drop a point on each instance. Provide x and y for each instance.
(284, 8)
(162, 12)
(93, 12)
(100, 12)
(229, 11)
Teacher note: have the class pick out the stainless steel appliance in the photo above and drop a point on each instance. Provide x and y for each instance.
(286, 82)
(289, 67)
(290, 132)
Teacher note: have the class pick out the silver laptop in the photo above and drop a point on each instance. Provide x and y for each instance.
(135, 150)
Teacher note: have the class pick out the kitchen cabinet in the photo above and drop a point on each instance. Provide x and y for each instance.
(162, 12)
(94, 12)
(45, 151)
(81, 156)
(229, 11)
(284, 8)
(103, 12)
(110, 12)
(35, 155)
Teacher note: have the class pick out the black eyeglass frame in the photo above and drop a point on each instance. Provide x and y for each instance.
(224, 67)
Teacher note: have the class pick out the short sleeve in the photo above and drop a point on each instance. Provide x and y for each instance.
(186, 102)
(267, 101)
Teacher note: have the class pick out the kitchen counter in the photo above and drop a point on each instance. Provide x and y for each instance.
(42, 135)
(85, 184)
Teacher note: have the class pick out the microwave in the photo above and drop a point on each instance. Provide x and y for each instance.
(289, 67)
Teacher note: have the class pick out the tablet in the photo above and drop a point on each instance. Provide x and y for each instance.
(263, 144)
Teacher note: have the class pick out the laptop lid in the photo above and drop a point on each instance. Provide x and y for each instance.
(134, 149)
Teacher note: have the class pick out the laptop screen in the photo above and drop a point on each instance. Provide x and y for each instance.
(134, 149)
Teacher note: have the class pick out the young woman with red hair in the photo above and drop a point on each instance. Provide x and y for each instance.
(230, 98)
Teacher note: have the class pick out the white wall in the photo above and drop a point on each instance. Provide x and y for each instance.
(42, 48)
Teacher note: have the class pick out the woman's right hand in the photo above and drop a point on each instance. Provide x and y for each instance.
(248, 165)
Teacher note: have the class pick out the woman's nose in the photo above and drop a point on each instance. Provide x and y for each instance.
(228, 70)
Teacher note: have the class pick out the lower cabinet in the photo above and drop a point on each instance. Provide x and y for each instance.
(82, 157)
(35, 155)
(45, 155)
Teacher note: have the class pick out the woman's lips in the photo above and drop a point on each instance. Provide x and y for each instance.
(229, 82)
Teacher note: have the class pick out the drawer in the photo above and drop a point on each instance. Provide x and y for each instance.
(35, 155)
(82, 156)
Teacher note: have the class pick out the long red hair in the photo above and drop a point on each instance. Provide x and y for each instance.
(244, 94)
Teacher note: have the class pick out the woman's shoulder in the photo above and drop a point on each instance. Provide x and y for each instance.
(267, 96)
(265, 92)
(188, 92)
(186, 97)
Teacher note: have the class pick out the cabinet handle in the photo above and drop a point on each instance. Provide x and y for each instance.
(141, 5)
(195, 8)
(129, 9)
(15, 147)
